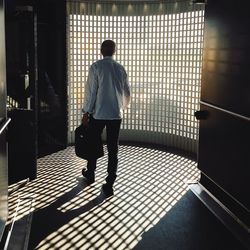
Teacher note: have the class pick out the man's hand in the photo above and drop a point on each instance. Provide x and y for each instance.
(85, 119)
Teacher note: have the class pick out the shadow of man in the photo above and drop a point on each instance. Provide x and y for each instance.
(49, 219)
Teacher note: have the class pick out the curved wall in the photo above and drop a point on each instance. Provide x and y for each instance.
(160, 45)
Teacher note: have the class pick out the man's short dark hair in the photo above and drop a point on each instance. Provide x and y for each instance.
(108, 48)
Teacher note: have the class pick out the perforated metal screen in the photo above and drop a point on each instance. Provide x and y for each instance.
(160, 46)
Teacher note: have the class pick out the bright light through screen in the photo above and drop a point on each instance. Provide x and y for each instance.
(162, 55)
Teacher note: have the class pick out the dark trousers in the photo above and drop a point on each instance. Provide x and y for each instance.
(112, 129)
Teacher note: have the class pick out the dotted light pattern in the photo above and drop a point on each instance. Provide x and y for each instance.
(160, 46)
(70, 215)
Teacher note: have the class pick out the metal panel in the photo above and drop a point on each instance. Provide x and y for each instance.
(3, 124)
(3, 182)
(225, 76)
(223, 156)
(224, 153)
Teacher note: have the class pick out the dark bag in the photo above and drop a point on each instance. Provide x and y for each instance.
(87, 144)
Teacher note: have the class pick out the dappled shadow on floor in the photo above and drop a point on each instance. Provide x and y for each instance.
(49, 219)
(70, 215)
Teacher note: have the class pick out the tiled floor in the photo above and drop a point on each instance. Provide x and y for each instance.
(70, 215)
(152, 208)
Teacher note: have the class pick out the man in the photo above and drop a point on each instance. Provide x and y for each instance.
(107, 93)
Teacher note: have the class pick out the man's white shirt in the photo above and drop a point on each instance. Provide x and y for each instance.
(107, 91)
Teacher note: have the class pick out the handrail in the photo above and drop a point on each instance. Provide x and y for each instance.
(5, 124)
(225, 111)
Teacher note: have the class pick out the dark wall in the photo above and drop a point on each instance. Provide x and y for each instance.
(52, 41)
(21, 68)
(227, 56)
(223, 156)
(35, 50)
(52, 86)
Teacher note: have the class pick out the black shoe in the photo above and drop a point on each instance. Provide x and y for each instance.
(90, 178)
(107, 190)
